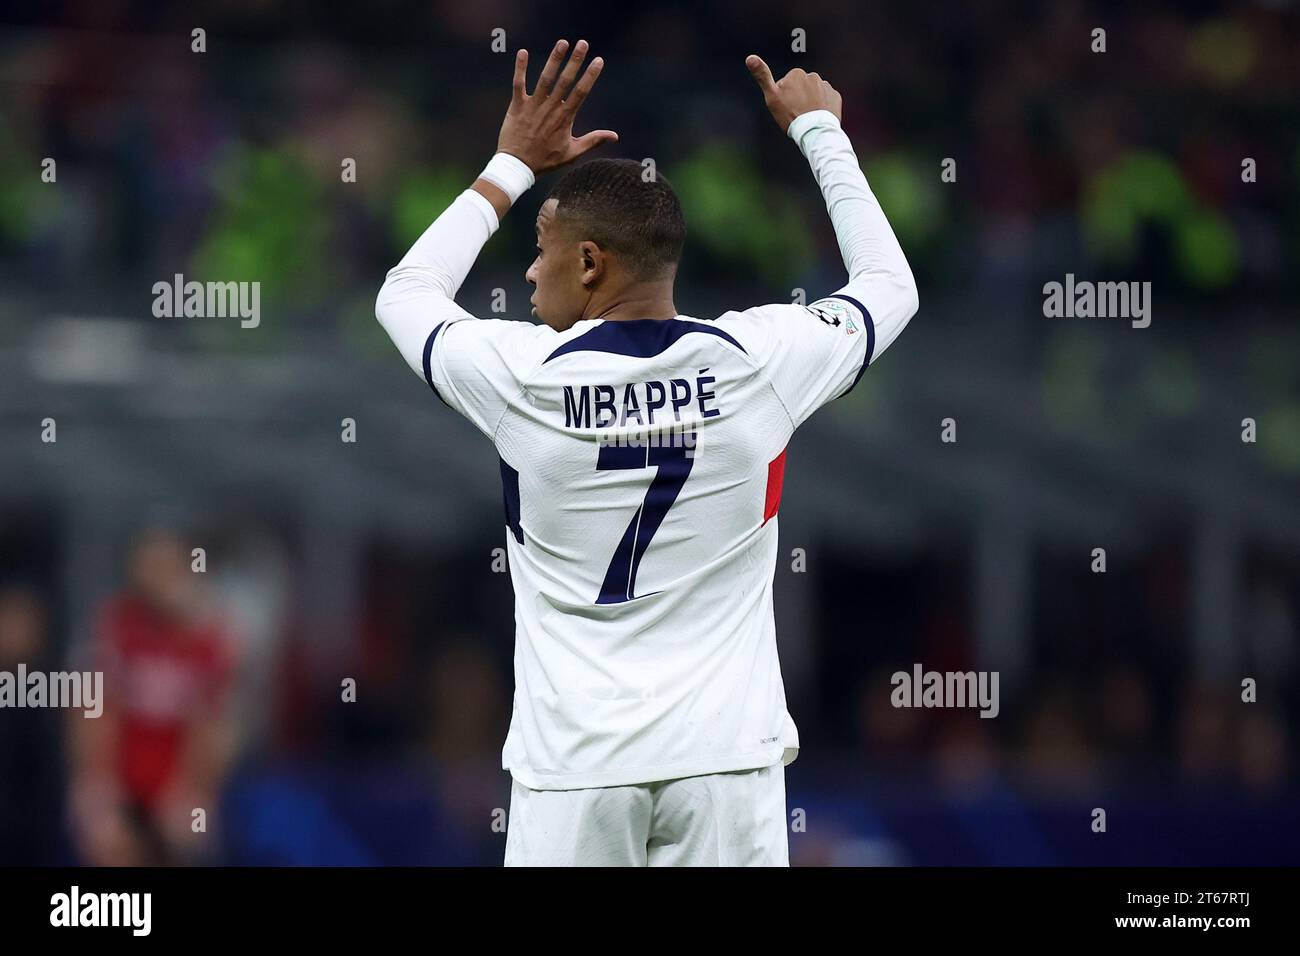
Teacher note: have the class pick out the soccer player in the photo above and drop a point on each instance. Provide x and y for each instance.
(642, 453)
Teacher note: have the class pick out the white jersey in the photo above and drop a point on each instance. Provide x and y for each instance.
(641, 463)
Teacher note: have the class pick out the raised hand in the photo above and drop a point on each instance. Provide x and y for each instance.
(797, 92)
(538, 127)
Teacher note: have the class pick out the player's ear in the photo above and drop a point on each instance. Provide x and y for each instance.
(592, 261)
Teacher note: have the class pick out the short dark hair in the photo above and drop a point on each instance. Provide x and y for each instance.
(638, 217)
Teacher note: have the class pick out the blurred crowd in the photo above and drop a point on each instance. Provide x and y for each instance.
(215, 703)
(228, 163)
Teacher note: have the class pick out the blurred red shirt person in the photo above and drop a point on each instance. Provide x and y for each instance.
(163, 672)
(161, 748)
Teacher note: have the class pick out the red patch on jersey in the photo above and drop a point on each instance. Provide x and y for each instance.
(775, 477)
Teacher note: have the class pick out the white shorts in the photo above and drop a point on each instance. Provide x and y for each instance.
(718, 819)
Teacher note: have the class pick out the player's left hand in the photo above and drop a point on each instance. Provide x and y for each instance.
(794, 94)
(538, 127)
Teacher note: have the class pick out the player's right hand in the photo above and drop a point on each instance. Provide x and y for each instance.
(795, 93)
(538, 127)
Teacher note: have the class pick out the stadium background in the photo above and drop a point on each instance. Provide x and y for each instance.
(373, 560)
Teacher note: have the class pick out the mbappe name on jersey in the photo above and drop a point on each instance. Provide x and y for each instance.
(613, 406)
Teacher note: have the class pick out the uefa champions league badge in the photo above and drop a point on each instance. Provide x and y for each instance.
(836, 314)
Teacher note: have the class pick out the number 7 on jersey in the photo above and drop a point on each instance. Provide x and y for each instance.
(673, 466)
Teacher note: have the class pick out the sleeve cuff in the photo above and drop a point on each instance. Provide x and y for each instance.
(805, 123)
(480, 202)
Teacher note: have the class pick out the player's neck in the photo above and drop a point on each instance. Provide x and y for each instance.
(652, 301)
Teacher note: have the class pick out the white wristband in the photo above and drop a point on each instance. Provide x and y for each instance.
(509, 173)
(813, 119)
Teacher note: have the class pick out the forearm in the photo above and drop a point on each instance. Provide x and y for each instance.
(419, 292)
(879, 275)
(494, 194)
